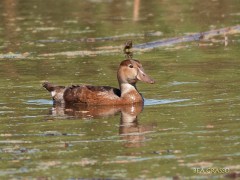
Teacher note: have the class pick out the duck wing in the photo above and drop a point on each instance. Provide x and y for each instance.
(91, 94)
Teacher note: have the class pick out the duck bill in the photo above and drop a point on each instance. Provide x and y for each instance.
(142, 76)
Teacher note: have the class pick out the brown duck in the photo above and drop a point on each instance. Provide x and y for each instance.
(129, 72)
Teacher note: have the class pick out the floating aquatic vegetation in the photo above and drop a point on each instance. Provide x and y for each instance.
(14, 142)
(12, 55)
(80, 53)
(44, 29)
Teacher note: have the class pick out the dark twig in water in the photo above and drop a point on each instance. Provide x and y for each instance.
(192, 37)
(127, 50)
(197, 37)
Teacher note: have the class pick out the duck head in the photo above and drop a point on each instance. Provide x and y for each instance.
(130, 71)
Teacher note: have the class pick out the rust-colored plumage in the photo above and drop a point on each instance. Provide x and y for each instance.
(129, 72)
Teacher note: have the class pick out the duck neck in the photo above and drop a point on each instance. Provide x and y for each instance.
(130, 93)
(126, 88)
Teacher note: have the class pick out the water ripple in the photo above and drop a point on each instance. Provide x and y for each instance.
(150, 102)
(40, 102)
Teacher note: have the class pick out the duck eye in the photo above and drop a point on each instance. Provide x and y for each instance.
(130, 65)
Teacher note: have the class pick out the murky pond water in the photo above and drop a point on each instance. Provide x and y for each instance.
(190, 121)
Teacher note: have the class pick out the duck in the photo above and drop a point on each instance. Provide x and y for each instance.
(130, 71)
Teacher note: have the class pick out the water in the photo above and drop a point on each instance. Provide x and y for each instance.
(190, 120)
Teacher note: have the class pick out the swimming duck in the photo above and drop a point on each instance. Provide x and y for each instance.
(129, 72)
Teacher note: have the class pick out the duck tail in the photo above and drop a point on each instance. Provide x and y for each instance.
(56, 91)
(48, 86)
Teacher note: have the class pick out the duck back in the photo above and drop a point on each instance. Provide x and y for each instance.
(91, 94)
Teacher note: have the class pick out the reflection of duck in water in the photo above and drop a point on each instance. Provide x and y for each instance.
(129, 72)
(129, 129)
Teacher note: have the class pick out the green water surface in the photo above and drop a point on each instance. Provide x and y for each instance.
(190, 120)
